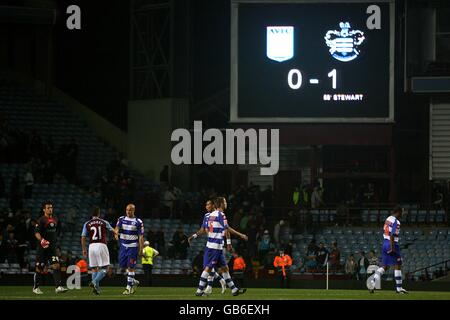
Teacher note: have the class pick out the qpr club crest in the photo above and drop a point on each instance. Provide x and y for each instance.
(280, 43)
(344, 44)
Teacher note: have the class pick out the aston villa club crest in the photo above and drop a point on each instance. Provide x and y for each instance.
(344, 44)
(280, 43)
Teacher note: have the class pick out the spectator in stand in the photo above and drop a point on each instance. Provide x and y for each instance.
(322, 256)
(335, 258)
(29, 230)
(283, 264)
(70, 218)
(197, 263)
(237, 217)
(305, 196)
(264, 246)
(363, 264)
(311, 257)
(169, 201)
(151, 237)
(276, 233)
(29, 182)
(351, 267)
(296, 197)
(239, 267)
(316, 198)
(292, 222)
(244, 222)
(179, 245)
(12, 246)
(288, 248)
(373, 263)
(160, 242)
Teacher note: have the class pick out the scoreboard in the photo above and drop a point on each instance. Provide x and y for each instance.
(312, 61)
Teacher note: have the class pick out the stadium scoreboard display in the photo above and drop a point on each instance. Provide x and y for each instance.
(312, 61)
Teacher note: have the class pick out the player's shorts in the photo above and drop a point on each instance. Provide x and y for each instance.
(128, 257)
(98, 255)
(45, 257)
(391, 259)
(214, 259)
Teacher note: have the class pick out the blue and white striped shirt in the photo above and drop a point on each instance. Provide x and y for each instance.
(216, 224)
(129, 231)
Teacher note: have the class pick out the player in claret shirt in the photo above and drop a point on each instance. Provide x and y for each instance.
(96, 230)
(45, 232)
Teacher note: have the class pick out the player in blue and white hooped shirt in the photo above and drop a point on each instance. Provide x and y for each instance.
(130, 232)
(209, 206)
(213, 274)
(216, 226)
(391, 252)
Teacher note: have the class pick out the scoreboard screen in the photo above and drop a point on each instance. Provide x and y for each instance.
(322, 61)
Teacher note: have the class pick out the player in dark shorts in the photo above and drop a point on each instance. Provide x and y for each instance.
(45, 232)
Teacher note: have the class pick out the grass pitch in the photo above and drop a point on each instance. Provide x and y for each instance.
(154, 293)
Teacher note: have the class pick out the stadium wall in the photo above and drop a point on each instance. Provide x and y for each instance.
(105, 129)
(150, 124)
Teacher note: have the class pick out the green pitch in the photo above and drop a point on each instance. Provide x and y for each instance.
(114, 293)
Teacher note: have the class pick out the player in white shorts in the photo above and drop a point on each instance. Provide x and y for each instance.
(96, 229)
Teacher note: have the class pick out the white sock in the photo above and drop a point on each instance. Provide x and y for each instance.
(203, 281)
(398, 279)
(226, 276)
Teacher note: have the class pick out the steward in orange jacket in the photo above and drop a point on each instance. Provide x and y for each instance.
(283, 263)
(238, 269)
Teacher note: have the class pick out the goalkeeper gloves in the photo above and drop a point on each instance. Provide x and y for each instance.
(44, 243)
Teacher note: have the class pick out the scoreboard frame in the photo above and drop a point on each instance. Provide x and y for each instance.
(234, 85)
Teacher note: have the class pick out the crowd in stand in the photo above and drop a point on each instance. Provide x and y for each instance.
(44, 159)
(249, 209)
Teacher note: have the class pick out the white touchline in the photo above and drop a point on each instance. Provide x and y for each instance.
(314, 81)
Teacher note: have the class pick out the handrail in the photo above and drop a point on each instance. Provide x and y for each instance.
(430, 266)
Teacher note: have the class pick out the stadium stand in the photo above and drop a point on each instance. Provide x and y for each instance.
(26, 110)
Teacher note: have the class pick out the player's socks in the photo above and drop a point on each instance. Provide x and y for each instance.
(37, 280)
(99, 276)
(130, 280)
(57, 278)
(220, 278)
(398, 280)
(229, 282)
(378, 274)
(94, 275)
(203, 281)
(210, 279)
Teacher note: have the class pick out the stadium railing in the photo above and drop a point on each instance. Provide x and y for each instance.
(363, 215)
(416, 274)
